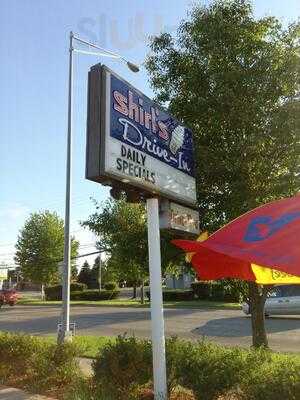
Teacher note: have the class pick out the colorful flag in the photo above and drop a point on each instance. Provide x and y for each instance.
(201, 238)
(252, 246)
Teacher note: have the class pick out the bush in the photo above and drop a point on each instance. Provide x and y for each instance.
(179, 393)
(202, 290)
(225, 290)
(276, 379)
(111, 286)
(35, 364)
(217, 291)
(95, 295)
(232, 295)
(123, 365)
(178, 295)
(203, 368)
(78, 287)
(55, 292)
(212, 369)
(175, 295)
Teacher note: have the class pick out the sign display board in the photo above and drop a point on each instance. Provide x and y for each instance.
(178, 218)
(132, 140)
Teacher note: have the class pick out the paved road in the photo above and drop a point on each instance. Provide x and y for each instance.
(228, 327)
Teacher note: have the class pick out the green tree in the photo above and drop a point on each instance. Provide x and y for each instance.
(130, 274)
(235, 81)
(108, 273)
(96, 278)
(40, 247)
(84, 275)
(122, 231)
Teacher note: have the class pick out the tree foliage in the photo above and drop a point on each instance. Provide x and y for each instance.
(40, 247)
(84, 275)
(122, 231)
(108, 274)
(234, 80)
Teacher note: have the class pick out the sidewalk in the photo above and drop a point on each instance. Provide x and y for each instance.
(7, 393)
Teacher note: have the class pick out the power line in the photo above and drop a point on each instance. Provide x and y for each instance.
(76, 257)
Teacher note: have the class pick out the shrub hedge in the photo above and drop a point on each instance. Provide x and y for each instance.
(175, 295)
(123, 366)
(38, 366)
(178, 295)
(55, 292)
(79, 292)
(217, 291)
(202, 290)
(208, 370)
(95, 295)
(111, 286)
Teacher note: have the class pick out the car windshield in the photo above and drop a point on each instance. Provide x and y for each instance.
(286, 291)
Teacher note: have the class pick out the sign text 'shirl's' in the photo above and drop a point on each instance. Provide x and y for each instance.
(127, 107)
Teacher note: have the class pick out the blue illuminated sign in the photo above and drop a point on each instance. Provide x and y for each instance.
(137, 121)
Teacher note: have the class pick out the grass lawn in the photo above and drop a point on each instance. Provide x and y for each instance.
(196, 304)
(89, 345)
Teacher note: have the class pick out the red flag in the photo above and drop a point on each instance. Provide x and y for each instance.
(268, 235)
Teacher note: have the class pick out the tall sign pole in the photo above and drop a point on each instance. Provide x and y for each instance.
(157, 318)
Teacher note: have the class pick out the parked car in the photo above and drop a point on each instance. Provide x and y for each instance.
(283, 300)
(8, 296)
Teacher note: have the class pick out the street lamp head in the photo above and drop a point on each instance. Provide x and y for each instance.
(132, 67)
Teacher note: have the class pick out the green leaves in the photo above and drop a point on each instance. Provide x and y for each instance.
(40, 246)
(122, 231)
(235, 81)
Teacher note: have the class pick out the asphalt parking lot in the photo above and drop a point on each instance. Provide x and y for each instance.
(228, 327)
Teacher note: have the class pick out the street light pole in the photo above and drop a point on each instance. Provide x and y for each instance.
(64, 333)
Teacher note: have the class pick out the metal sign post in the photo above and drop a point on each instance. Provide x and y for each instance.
(157, 318)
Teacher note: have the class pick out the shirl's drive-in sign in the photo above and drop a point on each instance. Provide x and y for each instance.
(132, 140)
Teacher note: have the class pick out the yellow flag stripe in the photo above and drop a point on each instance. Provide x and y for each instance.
(268, 276)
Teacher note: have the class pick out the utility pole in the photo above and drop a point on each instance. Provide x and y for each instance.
(64, 333)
